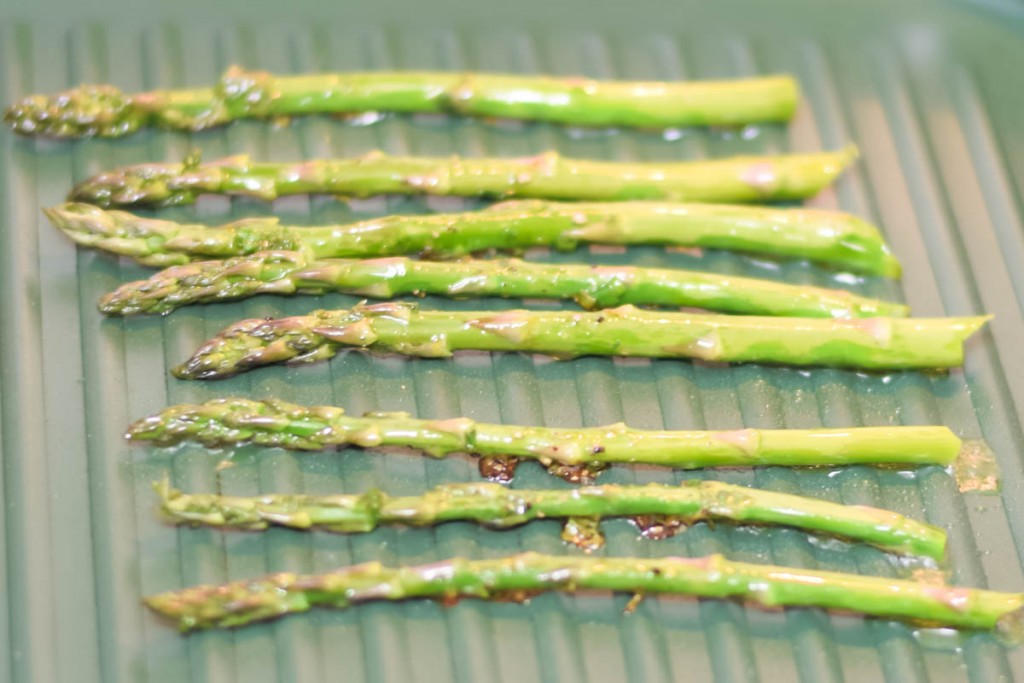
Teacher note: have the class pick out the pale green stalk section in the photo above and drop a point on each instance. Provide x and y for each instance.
(520, 576)
(500, 507)
(833, 239)
(593, 287)
(233, 422)
(106, 111)
(545, 176)
(397, 327)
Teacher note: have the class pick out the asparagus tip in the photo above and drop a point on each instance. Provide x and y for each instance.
(141, 297)
(230, 605)
(302, 339)
(155, 184)
(84, 111)
(81, 222)
(176, 609)
(147, 429)
(215, 280)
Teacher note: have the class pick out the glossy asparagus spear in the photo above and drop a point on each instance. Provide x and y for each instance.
(574, 453)
(398, 327)
(106, 111)
(520, 576)
(545, 176)
(657, 509)
(835, 239)
(593, 287)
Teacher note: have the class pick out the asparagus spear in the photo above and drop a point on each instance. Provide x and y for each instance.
(593, 287)
(577, 454)
(517, 577)
(398, 327)
(836, 239)
(546, 176)
(667, 508)
(106, 111)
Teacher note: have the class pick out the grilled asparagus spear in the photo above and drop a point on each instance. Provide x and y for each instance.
(106, 111)
(593, 287)
(837, 240)
(397, 327)
(545, 176)
(519, 576)
(657, 509)
(577, 454)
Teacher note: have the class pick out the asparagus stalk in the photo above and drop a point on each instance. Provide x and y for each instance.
(518, 577)
(593, 287)
(577, 454)
(546, 176)
(835, 239)
(398, 327)
(666, 507)
(106, 111)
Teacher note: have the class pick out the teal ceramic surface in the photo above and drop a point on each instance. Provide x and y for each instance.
(933, 94)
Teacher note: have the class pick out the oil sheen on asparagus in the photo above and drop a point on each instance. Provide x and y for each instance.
(545, 176)
(658, 511)
(591, 286)
(837, 240)
(518, 577)
(399, 327)
(106, 111)
(576, 454)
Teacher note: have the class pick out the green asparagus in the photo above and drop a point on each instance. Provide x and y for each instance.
(835, 239)
(545, 176)
(658, 510)
(398, 327)
(593, 287)
(106, 111)
(518, 577)
(576, 454)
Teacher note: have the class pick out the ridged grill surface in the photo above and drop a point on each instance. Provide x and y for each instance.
(931, 92)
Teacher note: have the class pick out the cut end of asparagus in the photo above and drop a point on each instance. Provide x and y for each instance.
(969, 325)
(950, 340)
(791, 97)
(834, 163)
(890, 265)
(849, 155)
(815, 172)
(844, 159)
(85, 111)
